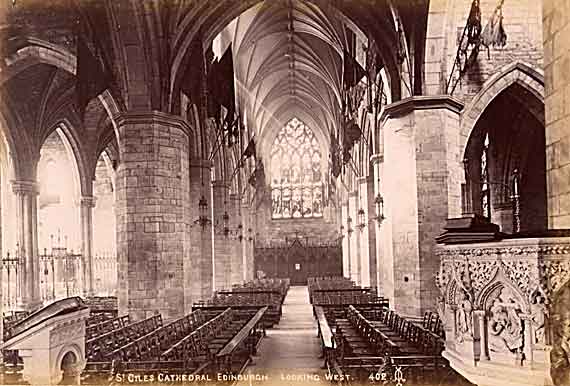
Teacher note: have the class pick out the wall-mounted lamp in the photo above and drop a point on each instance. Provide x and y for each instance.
(379, 201)
(203, 219)
(349, 229)
(240, 233)
(226, 223)
(361, 219)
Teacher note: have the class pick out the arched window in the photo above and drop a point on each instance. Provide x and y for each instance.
(296, 176)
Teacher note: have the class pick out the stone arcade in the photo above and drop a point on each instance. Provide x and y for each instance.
(217, 187)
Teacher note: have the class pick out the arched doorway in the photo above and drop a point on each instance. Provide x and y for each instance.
(68, 367)
(505, 162)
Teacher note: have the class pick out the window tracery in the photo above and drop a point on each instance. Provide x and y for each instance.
(296, 176)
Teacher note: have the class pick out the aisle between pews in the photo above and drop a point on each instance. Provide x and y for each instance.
(290, 353)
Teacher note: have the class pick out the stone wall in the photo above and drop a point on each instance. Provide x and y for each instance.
(556, 30)
(522, 23)
(324, 229)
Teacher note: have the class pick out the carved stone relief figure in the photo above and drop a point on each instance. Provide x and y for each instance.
(464, 318)
(505, 324)
(560, 354)
(538, 318)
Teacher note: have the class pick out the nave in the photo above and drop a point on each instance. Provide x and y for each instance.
(265, 332)
(171, 169)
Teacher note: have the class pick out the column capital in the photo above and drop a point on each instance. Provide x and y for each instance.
(150, 117)
(220, 184)
(377, 158)
(24, 187)
(87, 201)
(421, 102)
(235, 197)
(201, 163)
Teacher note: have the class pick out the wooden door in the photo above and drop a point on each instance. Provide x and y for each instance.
(298, 263)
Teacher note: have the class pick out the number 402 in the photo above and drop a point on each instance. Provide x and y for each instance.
(377, 377)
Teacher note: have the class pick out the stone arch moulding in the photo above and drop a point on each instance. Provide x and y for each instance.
(500, 280)
(518, 72)
(38, 51)
(75, 350)
(69, 137)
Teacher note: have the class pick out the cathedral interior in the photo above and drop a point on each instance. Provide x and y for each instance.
(285, 192)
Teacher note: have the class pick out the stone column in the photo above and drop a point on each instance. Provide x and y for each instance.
(377, 160)
(372, 232)
(363, 240)
(152, 208)
(556, 20)
(87, 203)
(27, 239)
(345, 241)
(236, 254)
(353, 238)
(421, 136)
(222, 258)
(251, 273)
(481, 332)
(198, 268)
(245, 243)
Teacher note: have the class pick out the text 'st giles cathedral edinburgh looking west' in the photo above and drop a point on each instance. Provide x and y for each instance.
(285, 192)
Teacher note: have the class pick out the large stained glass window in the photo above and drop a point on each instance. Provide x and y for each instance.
(296, 177)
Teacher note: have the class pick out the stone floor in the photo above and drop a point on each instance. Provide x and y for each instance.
(289, 354)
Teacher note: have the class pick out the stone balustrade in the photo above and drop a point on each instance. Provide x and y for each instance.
(503, 307)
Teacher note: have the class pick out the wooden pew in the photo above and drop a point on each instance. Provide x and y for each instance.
(98, 348)
(149, 346)
(195, 353)
(143, 351)
(388, 344)
(325, 334)
(105, 326)
(243, 344)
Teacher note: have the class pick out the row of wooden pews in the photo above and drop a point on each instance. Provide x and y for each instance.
(251, 296)
(93, 330)
(100, 346)
(335, 294)
(364, 341)
(207, 342)
(331, 297)
(381, 345)
(198, 345)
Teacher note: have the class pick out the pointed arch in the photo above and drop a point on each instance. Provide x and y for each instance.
(518, 72)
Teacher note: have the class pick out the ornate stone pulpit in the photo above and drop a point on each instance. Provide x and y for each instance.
(500, 304)
(51, 342)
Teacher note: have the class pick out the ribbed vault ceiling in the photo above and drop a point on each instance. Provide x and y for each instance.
(288, 63)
